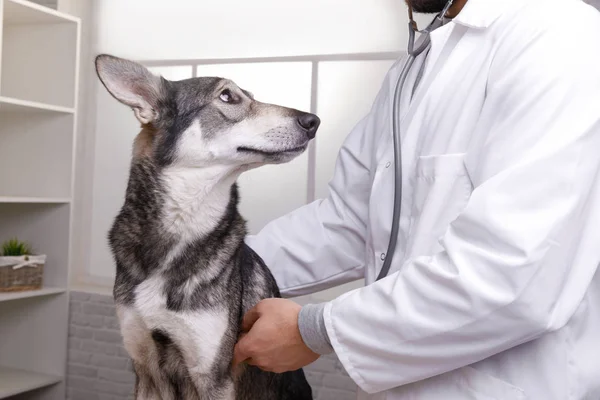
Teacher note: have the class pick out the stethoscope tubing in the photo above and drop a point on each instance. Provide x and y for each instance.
(412, 55)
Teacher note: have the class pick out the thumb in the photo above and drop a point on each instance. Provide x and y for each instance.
(249, 319)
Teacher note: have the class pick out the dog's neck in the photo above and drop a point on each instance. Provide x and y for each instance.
(173, 211)
(195, 199)
(179, 205)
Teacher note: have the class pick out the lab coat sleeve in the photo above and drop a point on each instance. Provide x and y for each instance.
(518, 260)
(322, 244)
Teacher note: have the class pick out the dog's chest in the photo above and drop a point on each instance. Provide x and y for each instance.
(198, 334)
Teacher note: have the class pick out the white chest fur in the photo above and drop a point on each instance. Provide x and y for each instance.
(197, 334)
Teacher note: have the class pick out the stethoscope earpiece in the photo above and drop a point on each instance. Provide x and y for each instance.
(413, 29)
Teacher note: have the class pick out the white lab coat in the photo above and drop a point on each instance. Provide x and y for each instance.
(494, 291)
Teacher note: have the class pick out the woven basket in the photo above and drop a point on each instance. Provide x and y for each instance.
(21, 273)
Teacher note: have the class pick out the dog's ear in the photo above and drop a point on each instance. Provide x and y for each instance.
(132, 84)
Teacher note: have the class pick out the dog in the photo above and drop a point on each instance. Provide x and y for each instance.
(184, 276)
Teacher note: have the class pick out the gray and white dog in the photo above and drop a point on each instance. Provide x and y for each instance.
(185, 278)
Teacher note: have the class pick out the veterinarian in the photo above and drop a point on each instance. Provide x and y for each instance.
(493, 290)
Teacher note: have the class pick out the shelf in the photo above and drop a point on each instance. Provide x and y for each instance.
(39, 71)
(39, 58)
(25, 12)
(15, 381)
(47, 291)
(34, 200)
(10, 105)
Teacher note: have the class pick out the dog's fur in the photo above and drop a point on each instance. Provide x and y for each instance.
(185, 278)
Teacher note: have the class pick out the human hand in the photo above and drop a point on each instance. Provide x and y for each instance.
(272, 339)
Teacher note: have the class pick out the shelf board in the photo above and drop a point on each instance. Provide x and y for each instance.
(34, 200)
(11, 105)
(15, 381)
(26, 12)
(46, 291)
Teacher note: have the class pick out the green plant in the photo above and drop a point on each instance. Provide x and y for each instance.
(15, 247)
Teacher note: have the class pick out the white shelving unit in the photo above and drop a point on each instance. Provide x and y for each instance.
(46, 291)
(39, 65)
(14, 381)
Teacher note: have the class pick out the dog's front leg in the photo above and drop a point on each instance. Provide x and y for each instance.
(210, 387)
(151, 382)
(202, 339)
(152, 385)
(145, 388)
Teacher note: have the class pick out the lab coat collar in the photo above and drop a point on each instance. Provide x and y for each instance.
(480, 14)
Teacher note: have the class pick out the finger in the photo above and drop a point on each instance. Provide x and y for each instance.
(258, 363)
(249, 319)
(240, 352)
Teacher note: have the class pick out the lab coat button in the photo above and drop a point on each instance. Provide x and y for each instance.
(382, 256)
(387, 165)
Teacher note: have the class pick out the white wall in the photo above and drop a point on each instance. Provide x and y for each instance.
(191, 29)
(180, 32)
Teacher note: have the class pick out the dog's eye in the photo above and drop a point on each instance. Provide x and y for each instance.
(226, 96)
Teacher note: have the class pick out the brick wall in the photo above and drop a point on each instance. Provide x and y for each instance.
(100, 369)
(98, 366)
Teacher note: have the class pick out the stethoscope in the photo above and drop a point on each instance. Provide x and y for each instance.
(413, 53)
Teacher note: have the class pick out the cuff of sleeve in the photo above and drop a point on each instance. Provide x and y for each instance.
(311, 323)
(342, 351)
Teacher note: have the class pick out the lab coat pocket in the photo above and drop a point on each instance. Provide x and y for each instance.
(484, 386)
(441, 189)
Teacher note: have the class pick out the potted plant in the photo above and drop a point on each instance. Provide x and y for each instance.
(20, 269)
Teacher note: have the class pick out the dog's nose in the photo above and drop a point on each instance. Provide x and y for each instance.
(310, 123)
